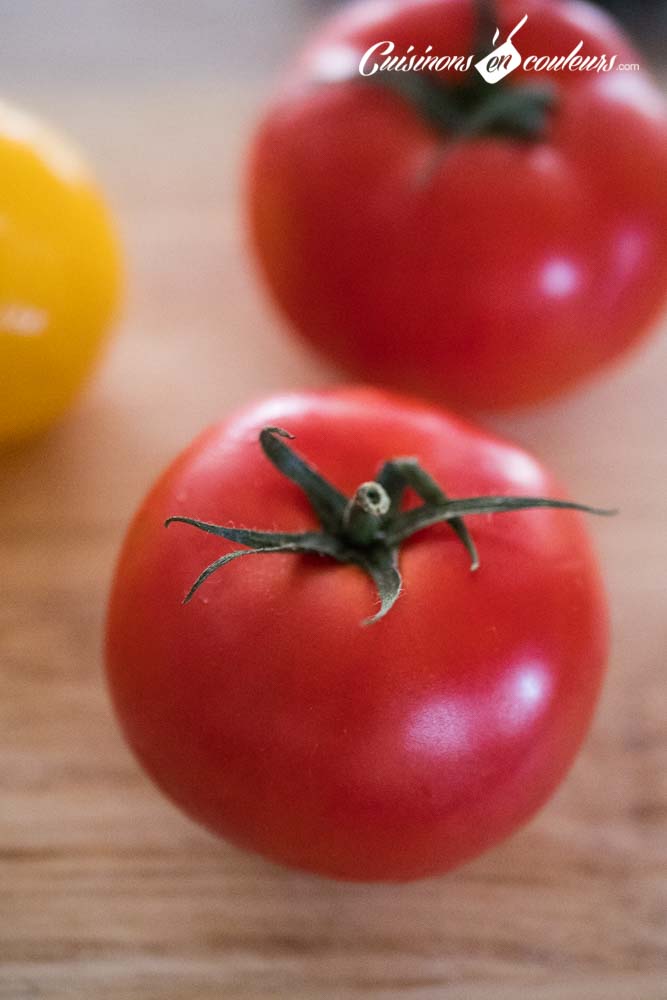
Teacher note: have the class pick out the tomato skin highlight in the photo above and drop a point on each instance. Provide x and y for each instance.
(484, 272)
(392, 752)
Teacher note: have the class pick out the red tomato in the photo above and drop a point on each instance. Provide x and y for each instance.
(271, 715)
(482, 269)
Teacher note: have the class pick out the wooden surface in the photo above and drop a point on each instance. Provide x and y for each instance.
(106, 891)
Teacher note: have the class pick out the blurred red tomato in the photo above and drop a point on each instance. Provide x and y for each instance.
(485, 264)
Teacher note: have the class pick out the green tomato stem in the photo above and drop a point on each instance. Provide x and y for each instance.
(368, 529)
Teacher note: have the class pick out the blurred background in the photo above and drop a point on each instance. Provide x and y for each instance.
(106, 891)
(100, 42)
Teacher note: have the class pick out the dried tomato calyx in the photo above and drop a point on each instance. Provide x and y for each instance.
(368, 529)
(472, 108)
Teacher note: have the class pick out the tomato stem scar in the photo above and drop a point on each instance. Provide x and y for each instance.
(363, 514)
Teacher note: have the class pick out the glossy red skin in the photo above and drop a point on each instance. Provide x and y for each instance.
(486, 273)
(387, 752)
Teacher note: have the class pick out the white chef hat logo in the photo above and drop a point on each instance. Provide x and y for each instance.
(503, 61)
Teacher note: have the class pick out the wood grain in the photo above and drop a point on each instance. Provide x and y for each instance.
(106, 891)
